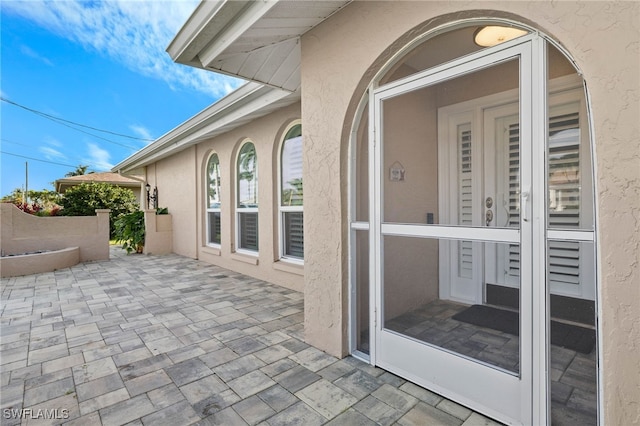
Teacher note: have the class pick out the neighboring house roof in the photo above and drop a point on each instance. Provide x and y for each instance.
(257, 41)
(107, 177)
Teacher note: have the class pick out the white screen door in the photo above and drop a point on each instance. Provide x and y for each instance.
(441, 340)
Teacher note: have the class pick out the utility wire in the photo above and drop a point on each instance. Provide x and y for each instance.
(52, 117)
(15, 143)
(99, 137)
(37, 159)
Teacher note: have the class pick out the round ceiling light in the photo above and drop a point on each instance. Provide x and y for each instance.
(493, 35)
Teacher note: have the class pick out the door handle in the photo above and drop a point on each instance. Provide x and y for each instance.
(525, 205)
(488, 216)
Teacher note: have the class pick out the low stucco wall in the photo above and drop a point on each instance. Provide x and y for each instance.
(25, 233)
(158, 237)
(26, 264)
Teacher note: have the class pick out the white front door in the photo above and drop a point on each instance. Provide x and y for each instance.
(416, 334)
(478, 145)
(479, 151)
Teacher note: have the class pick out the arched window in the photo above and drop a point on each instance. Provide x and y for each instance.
(213, 200)
(247, 192)
(291, 195)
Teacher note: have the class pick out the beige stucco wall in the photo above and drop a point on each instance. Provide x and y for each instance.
(266, 133)
(23, 233)
(181, 181)
(175, 178)
(158, 235)
(340, 57)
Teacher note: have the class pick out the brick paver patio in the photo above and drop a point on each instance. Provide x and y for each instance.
(169, 340)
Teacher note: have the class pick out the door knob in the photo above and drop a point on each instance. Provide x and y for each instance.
(488, 217)
(488, 202)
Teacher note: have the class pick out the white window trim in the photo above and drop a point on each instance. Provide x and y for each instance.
(207, 208)
(241, 210)
(284, 209)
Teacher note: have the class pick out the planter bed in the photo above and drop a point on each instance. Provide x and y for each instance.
(14, 265)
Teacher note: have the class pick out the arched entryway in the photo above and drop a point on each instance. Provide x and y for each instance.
(472, 229)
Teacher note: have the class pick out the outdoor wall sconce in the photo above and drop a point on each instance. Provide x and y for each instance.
(153, 197)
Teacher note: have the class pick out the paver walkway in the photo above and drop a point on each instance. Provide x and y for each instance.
(156, 340)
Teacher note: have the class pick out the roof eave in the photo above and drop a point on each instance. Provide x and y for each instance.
(213, 38)
(221, 21)
(246, 100)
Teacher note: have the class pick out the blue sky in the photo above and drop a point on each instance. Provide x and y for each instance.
(99, 64)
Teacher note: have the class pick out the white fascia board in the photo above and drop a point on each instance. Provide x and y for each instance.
(188, 33)
(236, 28)
(246, 100)
(208, 19)
(212, 129)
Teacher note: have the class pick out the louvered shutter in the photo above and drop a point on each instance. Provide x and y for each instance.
(294, 234)
(564, 194)
(214, 227)
(465, 199)
(249, 231)
(513, 218)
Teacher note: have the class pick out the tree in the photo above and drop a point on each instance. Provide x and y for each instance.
(247, 168)
(79, 171)
(16, 196)
(84, 199)
(43, 203)
(46, 198)
(292, 196)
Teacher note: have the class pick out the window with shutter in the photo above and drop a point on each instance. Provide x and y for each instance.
(213, 200)
(564, 196)
(247, 201)
(291, 195)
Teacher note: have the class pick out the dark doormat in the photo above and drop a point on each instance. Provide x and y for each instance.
(579, 339)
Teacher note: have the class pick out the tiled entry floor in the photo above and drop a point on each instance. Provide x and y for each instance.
(573, 374)
(153, 340)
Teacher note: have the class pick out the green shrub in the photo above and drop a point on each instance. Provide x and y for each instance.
(129, 230)
(84, 199)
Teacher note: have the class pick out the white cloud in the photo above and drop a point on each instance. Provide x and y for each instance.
(52, 154)
(53, 142)
(142, 132)
(26, 50)
(134, 33)
(98, 158)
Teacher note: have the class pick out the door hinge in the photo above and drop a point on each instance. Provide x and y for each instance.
(375, 317)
